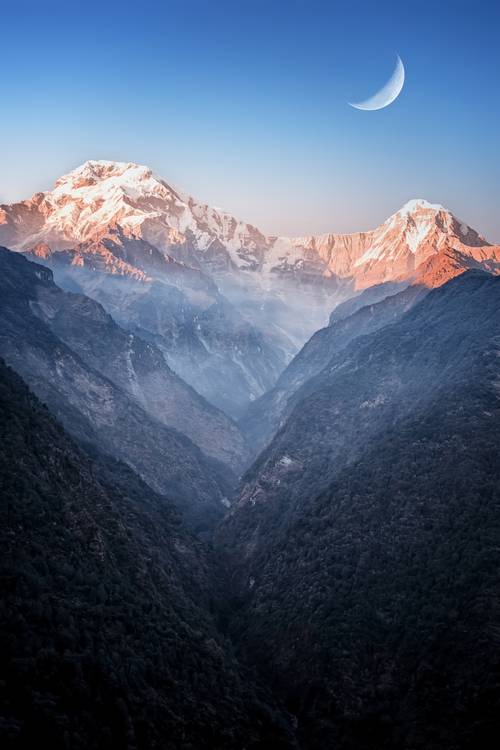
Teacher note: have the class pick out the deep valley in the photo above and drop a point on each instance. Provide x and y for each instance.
(250, 485)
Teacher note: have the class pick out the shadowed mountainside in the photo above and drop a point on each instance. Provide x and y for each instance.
(358, 316)
(99, 410)
(366, 545)
(105, 624)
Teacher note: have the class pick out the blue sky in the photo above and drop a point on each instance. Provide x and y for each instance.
(244, 104)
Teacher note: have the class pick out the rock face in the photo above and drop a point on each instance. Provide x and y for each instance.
(101, 194)
(364, 549)
(118, 255)
(106, 616)
(112, 389)
(395, 250)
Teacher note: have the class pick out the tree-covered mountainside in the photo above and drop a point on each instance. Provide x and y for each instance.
(104, 386)
(107, 637)
(355, 603)
(369, 587)
(367, 388)
(374, 610)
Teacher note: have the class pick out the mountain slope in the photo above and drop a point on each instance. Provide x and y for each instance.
(369, 296)
(373, 383)
(107, 637)
(90, 405)
(203, 337)
(121, 218)
(136, 366)
(102, 195)
(111, 251)
(395, 250)
(376, 613)
(372, 309)
(265, 416)
(365, 549)
(208, 343)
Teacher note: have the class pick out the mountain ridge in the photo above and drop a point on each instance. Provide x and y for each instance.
(43, 338)
(371, 309)
(363, 551)
(101, 195)
(362, 390)
(106, 618)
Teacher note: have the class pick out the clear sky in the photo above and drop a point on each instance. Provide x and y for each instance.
(244, 103)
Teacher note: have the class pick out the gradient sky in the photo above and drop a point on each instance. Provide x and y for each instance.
(244, 104)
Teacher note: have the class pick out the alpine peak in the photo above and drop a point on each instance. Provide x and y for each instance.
(101, 195)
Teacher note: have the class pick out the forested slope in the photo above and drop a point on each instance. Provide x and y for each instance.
(372, 602)
(107, 636)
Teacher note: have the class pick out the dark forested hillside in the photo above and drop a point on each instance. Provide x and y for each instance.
(106, 634)
(365, 551)
(376, 612)
(374, 382)
(355, 603)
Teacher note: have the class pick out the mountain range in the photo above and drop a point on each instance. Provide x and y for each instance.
(98, 196)
(249, 483)
(110, 388)
(372, 309)
(228, 306)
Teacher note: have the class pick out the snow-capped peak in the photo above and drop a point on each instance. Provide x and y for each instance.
(100, 169)
(105, 177)
(100, 196)
(416, 204)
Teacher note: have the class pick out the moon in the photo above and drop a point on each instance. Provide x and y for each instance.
(387, 93)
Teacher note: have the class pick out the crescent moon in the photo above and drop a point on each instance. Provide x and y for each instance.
(387, 93)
